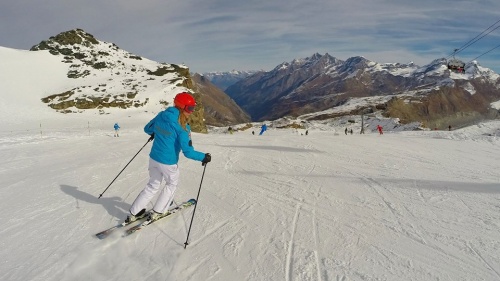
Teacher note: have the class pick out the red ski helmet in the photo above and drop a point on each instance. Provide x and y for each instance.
(185, 101)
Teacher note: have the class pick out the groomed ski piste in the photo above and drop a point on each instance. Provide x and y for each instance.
(415, 205)
(407, 205)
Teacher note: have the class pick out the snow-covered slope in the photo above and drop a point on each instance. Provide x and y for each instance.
(86, 72)
(419, 205)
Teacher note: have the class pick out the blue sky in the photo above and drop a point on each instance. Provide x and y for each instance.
(222, 35)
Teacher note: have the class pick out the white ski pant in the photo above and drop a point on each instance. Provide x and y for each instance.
(158, 172)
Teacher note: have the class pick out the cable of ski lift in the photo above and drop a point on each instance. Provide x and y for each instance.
(479, 39)
(482, 54)
(474, 40)
(458, 65)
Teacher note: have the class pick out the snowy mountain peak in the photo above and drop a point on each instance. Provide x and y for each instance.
(312, 59)
(225, 79)
(474, 69)
(357, 62)
(72, 37)
(78, 45)
(316, 59)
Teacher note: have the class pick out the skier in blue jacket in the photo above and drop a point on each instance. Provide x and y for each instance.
(117, 129)
(171, 134)
(263, 129)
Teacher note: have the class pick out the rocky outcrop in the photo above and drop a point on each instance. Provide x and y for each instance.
(447, 106)
(220, 109)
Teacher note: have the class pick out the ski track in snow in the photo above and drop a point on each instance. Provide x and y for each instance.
(272, 207)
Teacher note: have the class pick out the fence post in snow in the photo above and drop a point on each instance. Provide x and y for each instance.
(362, 122)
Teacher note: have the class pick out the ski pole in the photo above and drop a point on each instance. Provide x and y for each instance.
(150, 139)
(194, 211)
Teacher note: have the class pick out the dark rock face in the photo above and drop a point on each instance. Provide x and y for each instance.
(220, 109)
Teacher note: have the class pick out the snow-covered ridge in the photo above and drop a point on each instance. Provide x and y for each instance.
(435, 68)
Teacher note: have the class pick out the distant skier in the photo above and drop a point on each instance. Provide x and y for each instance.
(345, 131)
(230, 130)
(263, 129)
(307, 132)
(117, 129)
(379, 128)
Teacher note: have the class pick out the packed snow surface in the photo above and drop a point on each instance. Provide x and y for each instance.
(405, 205)
(420, 205)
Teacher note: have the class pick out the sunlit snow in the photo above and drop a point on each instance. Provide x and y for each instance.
(405, 205)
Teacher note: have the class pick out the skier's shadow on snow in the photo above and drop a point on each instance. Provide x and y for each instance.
(113, 205)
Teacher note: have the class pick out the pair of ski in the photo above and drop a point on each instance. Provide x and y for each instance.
(105, 233)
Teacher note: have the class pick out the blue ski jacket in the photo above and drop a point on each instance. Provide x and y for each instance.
(116, 126)
(263, 129)
(170, 138)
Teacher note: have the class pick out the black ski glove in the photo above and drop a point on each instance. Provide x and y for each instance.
(207, 159)
(151, 137)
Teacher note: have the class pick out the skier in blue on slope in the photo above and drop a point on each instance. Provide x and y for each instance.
(117, 129)
(263, 129)
(171, 133)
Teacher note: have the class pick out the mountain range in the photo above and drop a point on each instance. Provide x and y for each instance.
(89, 76)
(431, 94)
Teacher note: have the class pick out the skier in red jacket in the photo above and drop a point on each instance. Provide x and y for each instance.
(379, 128)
